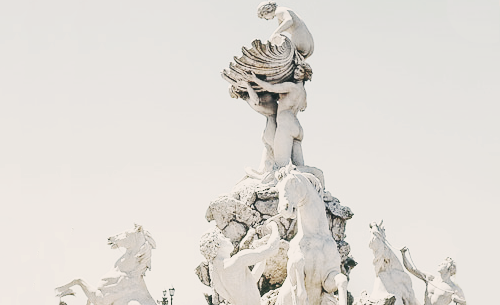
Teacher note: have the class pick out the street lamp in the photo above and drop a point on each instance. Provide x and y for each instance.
(171, 291)
(165, 299)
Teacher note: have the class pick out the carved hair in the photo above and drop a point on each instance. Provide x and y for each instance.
(144, 254)
(282, 172)
(316, 183)
(450, 264)
(384, 259)
(266, 7)
(210, 244)
(308, 72)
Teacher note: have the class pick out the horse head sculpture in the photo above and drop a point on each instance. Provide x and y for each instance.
(293, 189)
(390, 277)
(138, 241)
(313, 267)
(124, 283)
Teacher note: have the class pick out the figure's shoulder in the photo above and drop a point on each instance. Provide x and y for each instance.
(443, 286)
(457, 288)
(281, 11)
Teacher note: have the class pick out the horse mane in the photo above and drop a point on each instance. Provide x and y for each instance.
(291, 169)
(144, 255)
(315, 182)
(384, 259)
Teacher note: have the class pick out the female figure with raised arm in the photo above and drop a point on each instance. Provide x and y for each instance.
(438, 291)
(230, 276)
(290, 23)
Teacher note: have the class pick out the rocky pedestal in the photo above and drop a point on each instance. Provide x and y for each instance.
(241, 214)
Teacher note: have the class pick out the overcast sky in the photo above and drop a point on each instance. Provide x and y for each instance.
(114, 113)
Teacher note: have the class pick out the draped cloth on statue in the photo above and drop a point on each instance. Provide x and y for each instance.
(273, 63)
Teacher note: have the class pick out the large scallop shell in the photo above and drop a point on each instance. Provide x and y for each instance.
(273, 63)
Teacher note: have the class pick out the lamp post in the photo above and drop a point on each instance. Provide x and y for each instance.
(171, 291)
(165, 299)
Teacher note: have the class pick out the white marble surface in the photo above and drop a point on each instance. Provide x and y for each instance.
(390, 277)
(230, 275)
(442, 289)
(314, 262)
(124, 284)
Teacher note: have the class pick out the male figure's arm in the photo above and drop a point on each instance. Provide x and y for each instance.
(267, 108)
(251, 257)
(421, 275)
(276, 88)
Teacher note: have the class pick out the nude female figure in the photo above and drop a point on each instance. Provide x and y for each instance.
(289, 22)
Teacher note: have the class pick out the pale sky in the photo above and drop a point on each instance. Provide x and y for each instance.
(114, 113)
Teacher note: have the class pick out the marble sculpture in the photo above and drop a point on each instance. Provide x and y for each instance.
(313, 258)
(230, 275)
(392, 284)
(439, 290)
(124, 284)
(288, 22)
(274, 73)
(279, 236)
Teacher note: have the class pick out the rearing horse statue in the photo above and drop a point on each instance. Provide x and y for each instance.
(390, 275)
(124, 284)
(313, 266)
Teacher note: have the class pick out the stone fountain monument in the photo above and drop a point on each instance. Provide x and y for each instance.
(280, 235)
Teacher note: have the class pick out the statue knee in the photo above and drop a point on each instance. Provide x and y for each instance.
(335, 281)
(341, 281)
(330, 284)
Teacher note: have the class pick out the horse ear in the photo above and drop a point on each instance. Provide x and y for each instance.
(381, 223)
(138, 228)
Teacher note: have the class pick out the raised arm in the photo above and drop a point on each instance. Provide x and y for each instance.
(258, 269)
(251, 257)
(265, 105)
(421, 275)
(276, 88)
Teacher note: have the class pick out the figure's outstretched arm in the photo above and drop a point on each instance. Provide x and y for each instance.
(266, 108)
(251, 257)
(276, 88)
(253, 97)
(421, 275)
(258, 269)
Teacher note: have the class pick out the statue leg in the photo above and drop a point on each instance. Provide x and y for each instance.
(91, 292)
(297, 280)
(267, 159)
(341, 281)
(283, 143)
(285, 294)
(297, 156)
(337, 281)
